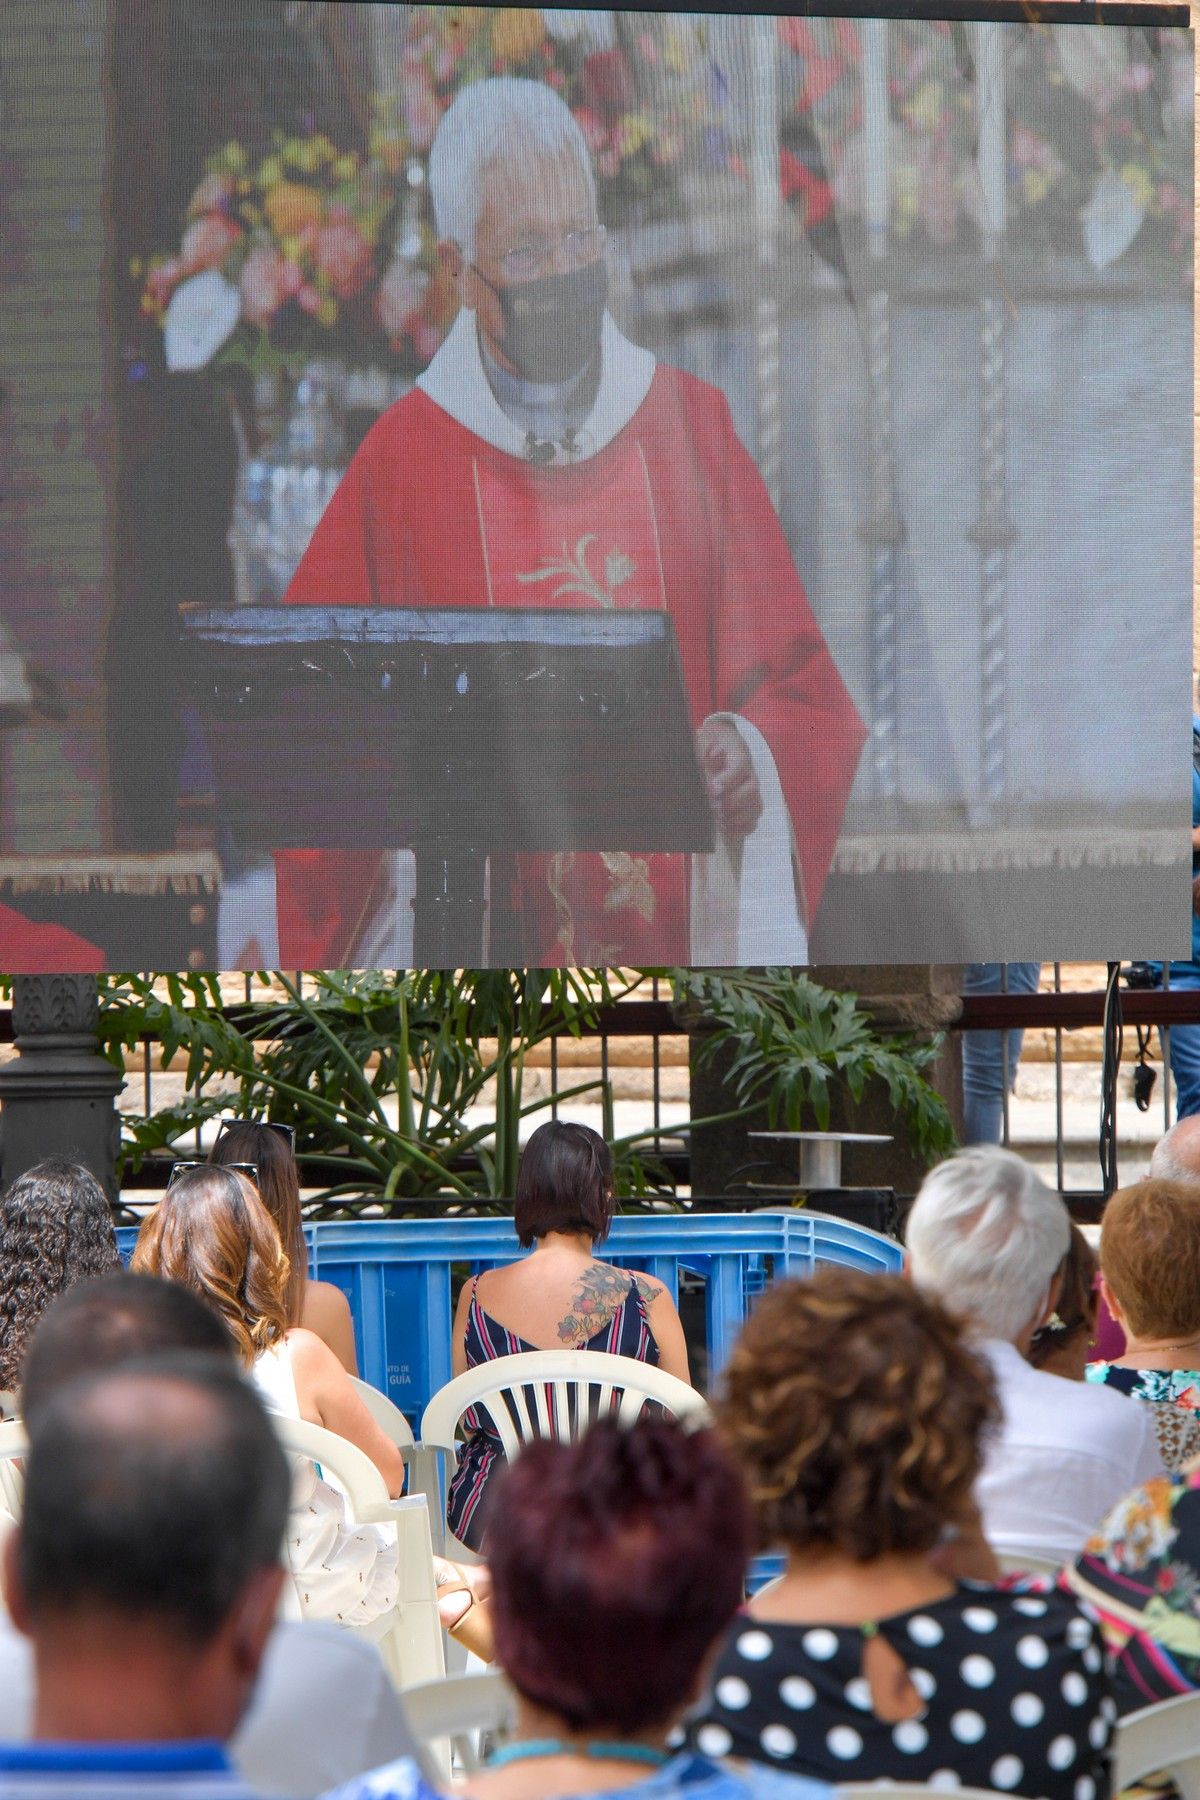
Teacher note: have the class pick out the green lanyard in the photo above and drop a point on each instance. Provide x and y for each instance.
(598, 1752)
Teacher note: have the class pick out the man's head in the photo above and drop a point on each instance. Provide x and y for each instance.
(515, 202)
(1177, 1153)
(156, 1496)
(986, 1236)
(120, 1319)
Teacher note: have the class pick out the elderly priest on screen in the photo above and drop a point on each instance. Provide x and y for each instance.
(544, 459)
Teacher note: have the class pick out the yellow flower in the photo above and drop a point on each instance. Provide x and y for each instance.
(1035, 185)
(633, 132)
(270, 172)
(925, 107)
(233, 156)
(327, 312)
(1138, 182)
(290, 206)
(344, 168)
(517, 32)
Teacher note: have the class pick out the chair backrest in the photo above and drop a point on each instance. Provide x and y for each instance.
(1017, 1562)
(554, 1393)
(13, 1445)
(410, 1636)
(1166, 1736)
(909, 1790)
(386, 1414)
(448, 1716)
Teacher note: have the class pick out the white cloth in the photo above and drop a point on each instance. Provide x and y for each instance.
(1066, 1452)
(344, 1573)
(323, 1712)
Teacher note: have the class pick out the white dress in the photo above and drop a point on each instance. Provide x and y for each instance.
(343, 1573)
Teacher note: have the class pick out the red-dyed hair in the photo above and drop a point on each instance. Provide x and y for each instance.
(617, 1562)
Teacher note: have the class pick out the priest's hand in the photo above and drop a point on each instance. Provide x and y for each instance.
(728, 771)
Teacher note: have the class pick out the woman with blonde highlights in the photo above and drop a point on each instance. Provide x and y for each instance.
(856, 1410)
(212, 1233)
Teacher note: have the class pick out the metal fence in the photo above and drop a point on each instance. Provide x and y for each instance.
(1062, 1065)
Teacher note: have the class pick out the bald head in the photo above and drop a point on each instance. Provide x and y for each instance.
(156, 1491)
(1177, 1154)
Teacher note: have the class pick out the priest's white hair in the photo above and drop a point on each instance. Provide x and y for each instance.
(486, 122)
(986, 1235)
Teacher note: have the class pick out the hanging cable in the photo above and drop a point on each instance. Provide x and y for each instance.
(1113, 1038)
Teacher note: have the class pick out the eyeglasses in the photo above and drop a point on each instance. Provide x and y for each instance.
(578, 247)
(286, 1132)
(249, 1170)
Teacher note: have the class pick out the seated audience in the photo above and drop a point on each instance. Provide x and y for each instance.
(561, 1297)
(55, 1229)
(988, 1239)
(858, 1412)
(1150, 1256)
(145, 1571)
(618, 1562)
(316, 1305)
(1061, 1346)
(1140, 1572)
(324, 1708)
(212, 1233)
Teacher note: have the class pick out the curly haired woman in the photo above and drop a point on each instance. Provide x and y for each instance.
(55, 1230)
(212, 1233)
(856, 1411)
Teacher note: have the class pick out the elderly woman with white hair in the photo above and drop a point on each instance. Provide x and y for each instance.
(989, 1239)
(545, 460)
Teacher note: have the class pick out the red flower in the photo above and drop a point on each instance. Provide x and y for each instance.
(343, 254)
(606, 83)
(816, 195)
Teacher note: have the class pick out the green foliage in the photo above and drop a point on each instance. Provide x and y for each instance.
(795, 1044)
(377, 1071)
(406, 1085)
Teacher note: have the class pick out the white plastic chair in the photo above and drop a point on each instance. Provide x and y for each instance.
(420, 1463)
(447, 1718)
(1162, 1737)
(568, 1389)
(13, 1445)
(909, 1790)
(1017, 1562)
(410, 1635)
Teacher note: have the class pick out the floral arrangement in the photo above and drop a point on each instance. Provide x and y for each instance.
(1099, 137)
(280, 261)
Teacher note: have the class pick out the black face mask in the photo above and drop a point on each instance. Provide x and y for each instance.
(552, 324)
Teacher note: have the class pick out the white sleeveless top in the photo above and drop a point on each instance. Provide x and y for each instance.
(343, 1573)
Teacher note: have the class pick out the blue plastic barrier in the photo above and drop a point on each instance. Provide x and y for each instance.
(397, 1275)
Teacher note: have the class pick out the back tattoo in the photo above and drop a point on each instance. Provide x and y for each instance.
(598, 1298)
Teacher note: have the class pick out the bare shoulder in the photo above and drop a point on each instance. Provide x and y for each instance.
(309, 1351)
(324, 1305)
(650, 1289)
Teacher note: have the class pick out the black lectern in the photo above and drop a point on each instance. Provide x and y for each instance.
(451, 732)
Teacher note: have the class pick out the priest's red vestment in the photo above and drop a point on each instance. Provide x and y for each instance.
(670, 513)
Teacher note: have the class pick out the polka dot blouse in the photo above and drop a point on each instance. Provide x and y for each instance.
(1014, 1687)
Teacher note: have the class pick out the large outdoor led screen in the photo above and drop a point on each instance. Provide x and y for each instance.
(534, 485)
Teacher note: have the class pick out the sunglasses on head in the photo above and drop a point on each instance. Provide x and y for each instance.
(286, 1132)
(249, 1170)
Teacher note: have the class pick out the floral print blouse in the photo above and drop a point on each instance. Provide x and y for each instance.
(1141, 1574)
(1174, 1395)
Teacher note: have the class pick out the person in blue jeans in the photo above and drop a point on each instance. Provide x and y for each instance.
(1182, 1042)
(990, 1058)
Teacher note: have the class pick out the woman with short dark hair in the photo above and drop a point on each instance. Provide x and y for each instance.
(560, 1297)
(856, 1409)
(617, 1563)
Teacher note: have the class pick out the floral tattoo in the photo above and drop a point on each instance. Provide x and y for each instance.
(598, 1298)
